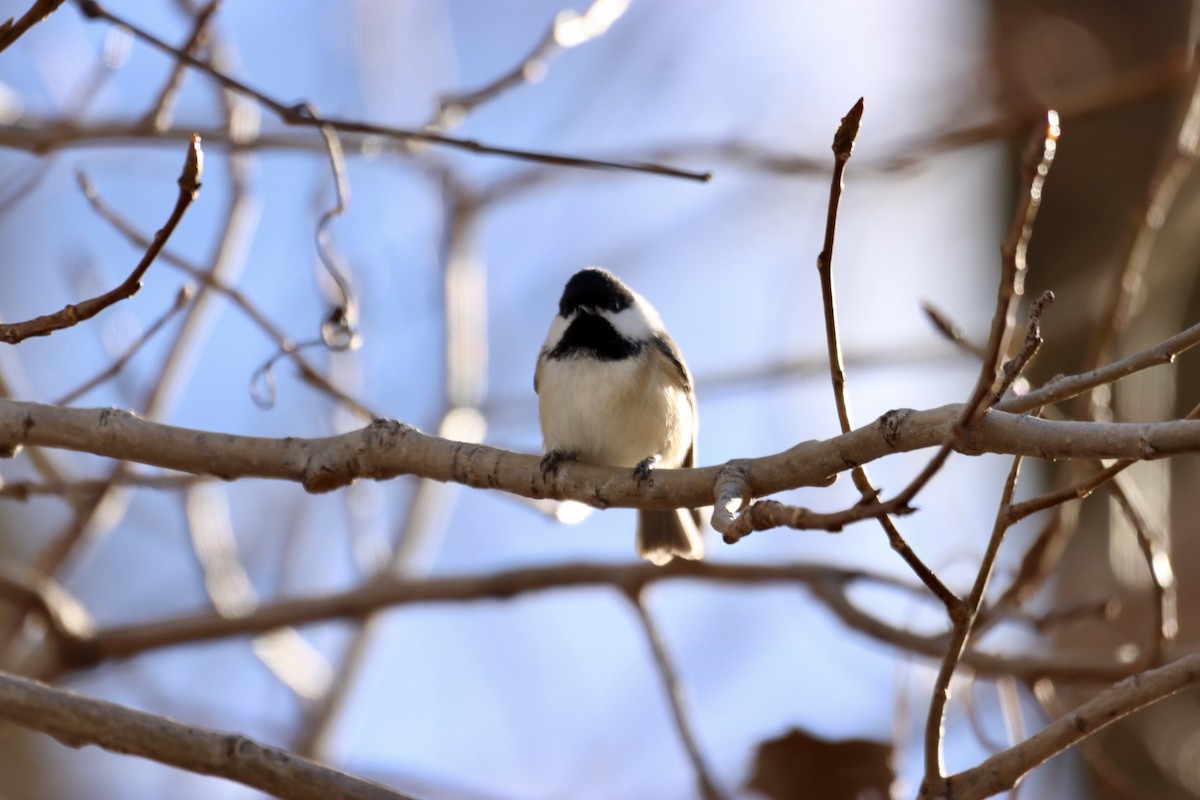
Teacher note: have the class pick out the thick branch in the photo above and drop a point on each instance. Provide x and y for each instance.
(386, 449)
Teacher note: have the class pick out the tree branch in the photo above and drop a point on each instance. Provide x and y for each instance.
(386, 449)
(10, 31)
(843, 149)
(705, 783)
(189, 187)
(1002, 771)
(299, 114)
(78, 721)
(1035, 166)
(827, 584)
(935, 722)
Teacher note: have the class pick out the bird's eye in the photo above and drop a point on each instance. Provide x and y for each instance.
(614, 306)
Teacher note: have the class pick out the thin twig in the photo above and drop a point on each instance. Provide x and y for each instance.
(10, 31)
(158, 118)
(1164, 616)
(1033, 341)
(1064, 387)
(1158, 562)
(297, 114)
(1003, 770)
(452, 108)
(1178, 164)
(286, 346)
(24, 490)
(568, 29)
(464, 278)
(99, 513)
(1161, 77)
(189, 187)
(953, 332)
(843, 148)
(41, 135)
(1079, 491)
(182, 298)
(671, 687)
(763, 515)
(732, 490)
(961, 631)
(1039, 156)
(67, 618)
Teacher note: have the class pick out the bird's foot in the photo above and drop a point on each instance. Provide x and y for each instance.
(552, 460)
(642, 470)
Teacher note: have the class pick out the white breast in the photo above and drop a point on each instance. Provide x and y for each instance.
(608, 412)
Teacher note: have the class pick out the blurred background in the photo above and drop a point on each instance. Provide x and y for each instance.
(456, 261)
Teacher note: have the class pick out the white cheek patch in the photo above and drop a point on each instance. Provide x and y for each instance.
(558, 327)
(638, 322)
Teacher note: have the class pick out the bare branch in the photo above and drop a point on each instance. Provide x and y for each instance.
(1002, 771)
(936, 721)
(1064, 387)
(1179, 163)
(670, 681)
(386, 449)
(843, 148)
(1152, 543)
(24, 490)
(828, 584)
(299, 114)
(159, 117)
(953, 332)
(764, 515)
(67, 618)
(1079, 491)
(568, 29)
(10, 31)
(77, 721)
(287, 347)
(1039, 155)
(1033, 341)
(189, 187)
(182, 298)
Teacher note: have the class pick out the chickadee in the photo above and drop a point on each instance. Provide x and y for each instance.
(613, 389)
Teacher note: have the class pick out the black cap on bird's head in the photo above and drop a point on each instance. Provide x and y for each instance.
(594, 287)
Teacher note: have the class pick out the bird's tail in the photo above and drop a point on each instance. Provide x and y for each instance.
(663, 535)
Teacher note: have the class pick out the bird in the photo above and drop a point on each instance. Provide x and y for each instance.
(613, 389)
